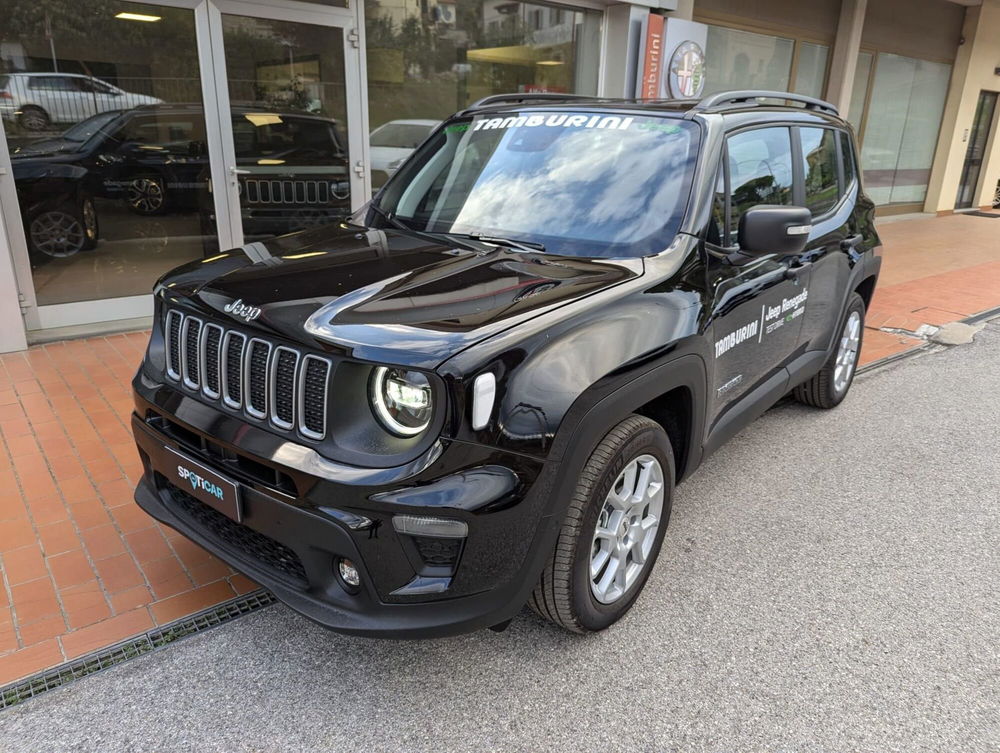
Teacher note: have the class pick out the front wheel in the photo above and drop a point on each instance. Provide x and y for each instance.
(830, 386)
(613, 530)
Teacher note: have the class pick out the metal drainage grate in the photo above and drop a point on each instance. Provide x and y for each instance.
(49, 679)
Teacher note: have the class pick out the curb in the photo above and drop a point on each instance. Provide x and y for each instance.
(982, 316)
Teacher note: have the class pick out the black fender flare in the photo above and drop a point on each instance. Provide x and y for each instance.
(600, 408)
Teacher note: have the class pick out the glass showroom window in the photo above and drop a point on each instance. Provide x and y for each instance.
(901, 129)
(810, 71)
(425, 61)
(101, 106)
(736, 59)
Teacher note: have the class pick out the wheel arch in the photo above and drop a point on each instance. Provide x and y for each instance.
(866, 289)
(673, 394)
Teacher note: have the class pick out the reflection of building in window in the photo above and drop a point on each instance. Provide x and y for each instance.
(428, 58)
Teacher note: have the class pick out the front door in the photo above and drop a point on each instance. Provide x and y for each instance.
(757, 307)
(979, 138)
(290, 115)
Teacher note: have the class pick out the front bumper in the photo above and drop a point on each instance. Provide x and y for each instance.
(300, 515)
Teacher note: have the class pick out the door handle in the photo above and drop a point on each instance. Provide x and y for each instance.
(234, 171)
(794, 271)
(849, 243)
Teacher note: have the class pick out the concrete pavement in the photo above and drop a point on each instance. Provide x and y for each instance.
(828, 583)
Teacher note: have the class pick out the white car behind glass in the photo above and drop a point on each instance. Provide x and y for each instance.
(36, 100)
(393, 142)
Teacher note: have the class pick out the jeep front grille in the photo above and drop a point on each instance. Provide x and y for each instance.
(269, 382)
(262, 191)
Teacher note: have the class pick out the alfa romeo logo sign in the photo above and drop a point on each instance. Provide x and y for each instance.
(687, 71)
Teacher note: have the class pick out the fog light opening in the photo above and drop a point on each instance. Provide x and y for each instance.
(350, 578)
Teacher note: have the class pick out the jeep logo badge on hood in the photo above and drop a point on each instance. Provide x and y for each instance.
(242, 311)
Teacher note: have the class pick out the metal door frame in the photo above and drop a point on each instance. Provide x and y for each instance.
(218, 120)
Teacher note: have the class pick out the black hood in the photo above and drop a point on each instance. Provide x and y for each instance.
(386, 296)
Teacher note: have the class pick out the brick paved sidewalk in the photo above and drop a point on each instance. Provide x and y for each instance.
(83, 567)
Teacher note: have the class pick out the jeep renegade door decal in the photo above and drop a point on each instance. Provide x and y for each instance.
(771, 318)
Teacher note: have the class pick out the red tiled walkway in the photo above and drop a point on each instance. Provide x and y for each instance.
(934, 271)
(83, 567)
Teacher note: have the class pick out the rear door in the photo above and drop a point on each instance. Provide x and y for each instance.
(829, 190)
(757, 307)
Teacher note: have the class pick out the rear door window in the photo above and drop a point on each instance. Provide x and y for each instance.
(820, 173)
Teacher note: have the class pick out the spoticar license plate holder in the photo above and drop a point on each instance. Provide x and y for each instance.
(204, 484)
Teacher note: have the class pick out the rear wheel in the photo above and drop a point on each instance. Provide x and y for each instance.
(830, 386)
(611, 536)
(33, 118)
(147, 195)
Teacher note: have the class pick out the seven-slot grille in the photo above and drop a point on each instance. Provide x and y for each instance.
(263, 191)
(267, 381)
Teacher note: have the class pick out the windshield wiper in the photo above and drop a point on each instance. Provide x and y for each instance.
(397, 223)
(497, 240)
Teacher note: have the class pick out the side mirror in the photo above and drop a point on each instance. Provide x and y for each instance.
(767, 229)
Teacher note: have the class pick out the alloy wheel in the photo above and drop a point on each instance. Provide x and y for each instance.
(626, 529)
(145, 195)
(847, 353)
(57, 234)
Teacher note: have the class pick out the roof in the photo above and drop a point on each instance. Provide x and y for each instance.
(46, 73)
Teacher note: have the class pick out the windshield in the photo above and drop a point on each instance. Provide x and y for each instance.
(84, 130)
(579, 183)
(400, 135)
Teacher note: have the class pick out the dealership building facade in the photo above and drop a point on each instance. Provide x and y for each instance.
(140, 136)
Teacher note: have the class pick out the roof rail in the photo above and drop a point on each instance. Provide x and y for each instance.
(513, 98)
(721, 99)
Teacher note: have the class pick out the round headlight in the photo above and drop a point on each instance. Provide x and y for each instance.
(401, 400)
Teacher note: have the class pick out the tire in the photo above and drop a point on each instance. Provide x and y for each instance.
(830, 386)
(147, 195)
(63, 231)
(566, 593)
(33, 118)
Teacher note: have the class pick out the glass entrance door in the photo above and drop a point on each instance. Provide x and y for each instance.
(193, 125)
(290, 92)
(979, 137)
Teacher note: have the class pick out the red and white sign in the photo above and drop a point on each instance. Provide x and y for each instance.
(652, 69)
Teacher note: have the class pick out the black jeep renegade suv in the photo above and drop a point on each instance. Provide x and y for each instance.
(481, 390)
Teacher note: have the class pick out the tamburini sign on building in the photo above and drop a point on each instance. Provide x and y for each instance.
(673, 59)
